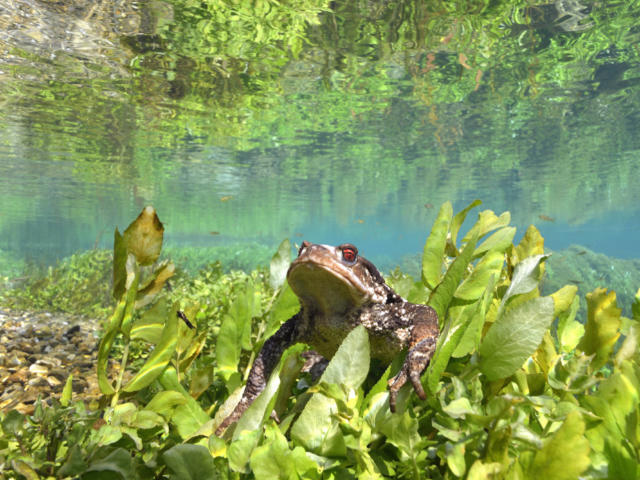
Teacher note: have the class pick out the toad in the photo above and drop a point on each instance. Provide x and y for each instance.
(339, 290)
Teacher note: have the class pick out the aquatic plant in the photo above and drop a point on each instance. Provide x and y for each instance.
(79, 284)
(517, 388)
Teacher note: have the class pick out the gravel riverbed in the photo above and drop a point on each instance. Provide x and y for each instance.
(39, 350)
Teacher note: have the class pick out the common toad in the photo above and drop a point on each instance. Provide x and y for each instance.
(339, 290)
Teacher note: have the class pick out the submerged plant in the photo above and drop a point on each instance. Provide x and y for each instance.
(517, 389)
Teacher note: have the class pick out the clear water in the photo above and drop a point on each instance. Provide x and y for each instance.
(347, 136)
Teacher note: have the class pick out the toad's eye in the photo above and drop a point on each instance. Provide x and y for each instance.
(304, 245)
(349, 253)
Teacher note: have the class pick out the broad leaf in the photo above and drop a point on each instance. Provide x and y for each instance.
(487, 222)
(150, 324)
(526, 277)
(260, 409)
(143, 237)
(148, 293)
(500, 241)
(274, 459)
(566, 455)
(459, 219)
(188, 417)
(514, 337)
(475, 284)
(435, 246)
(280, 264)
(117, 462)
(122, 310)
(531, 244)
(190, 462)
(444, 292)
(164, 403)
(348, 368)
(602, 327)
(160, 356)
(457, 322)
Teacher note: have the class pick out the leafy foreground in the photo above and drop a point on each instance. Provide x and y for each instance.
(518, 388)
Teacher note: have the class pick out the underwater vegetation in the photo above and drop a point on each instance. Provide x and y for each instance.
(518, 387)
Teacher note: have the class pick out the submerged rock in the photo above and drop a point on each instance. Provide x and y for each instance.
(38, 351)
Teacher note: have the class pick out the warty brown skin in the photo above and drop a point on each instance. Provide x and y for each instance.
(339, 290)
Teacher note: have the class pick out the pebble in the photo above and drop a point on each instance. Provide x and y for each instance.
(38, 351)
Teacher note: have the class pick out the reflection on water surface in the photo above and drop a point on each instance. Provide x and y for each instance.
(332, 122)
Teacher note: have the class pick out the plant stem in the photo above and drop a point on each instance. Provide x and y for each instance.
(123, 366)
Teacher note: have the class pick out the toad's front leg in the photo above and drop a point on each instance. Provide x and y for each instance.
(261, 370)
(422, 346)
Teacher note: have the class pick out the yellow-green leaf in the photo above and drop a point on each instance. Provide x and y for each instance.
(563, 298)
(148, 293)
(603, 326)
(475, 284)
(531, 244)
(67, 391)
(160, 356)
(565, 455)
(434, 247)
(514, 337)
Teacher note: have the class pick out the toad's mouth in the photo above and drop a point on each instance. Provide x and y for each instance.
(330, 288)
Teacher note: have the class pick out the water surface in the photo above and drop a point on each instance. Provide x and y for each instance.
(332, 122)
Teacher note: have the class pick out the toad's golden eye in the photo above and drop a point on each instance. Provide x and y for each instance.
(349, 253)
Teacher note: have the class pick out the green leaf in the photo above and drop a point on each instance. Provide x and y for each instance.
(470, 340)
(12, 422)
(274, 459)
(260, 409)
(459, 219)
(569, 330)
(118, 462)
(531, 244)
(602, 327)
(164, 403)
(149, 325)
(239, 452)
(444, 292)
(635, 306)
(514, 337)
(563, 299)
(24, 469)
(285, 306)
(487, 222)
(119, 262)
(155, 283)
(455, 458)
(350, 365)
(500, 241)
(235, 331)
(75, 463)
(348, 368)
(457, 322)
(67, 391)
(475, 284)
(188, 417)
(107, 342)
(566, 455)
(160, 356)
(526, 277)
(434, 247)
(484, 471)
(190, 462)
(280, 264)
